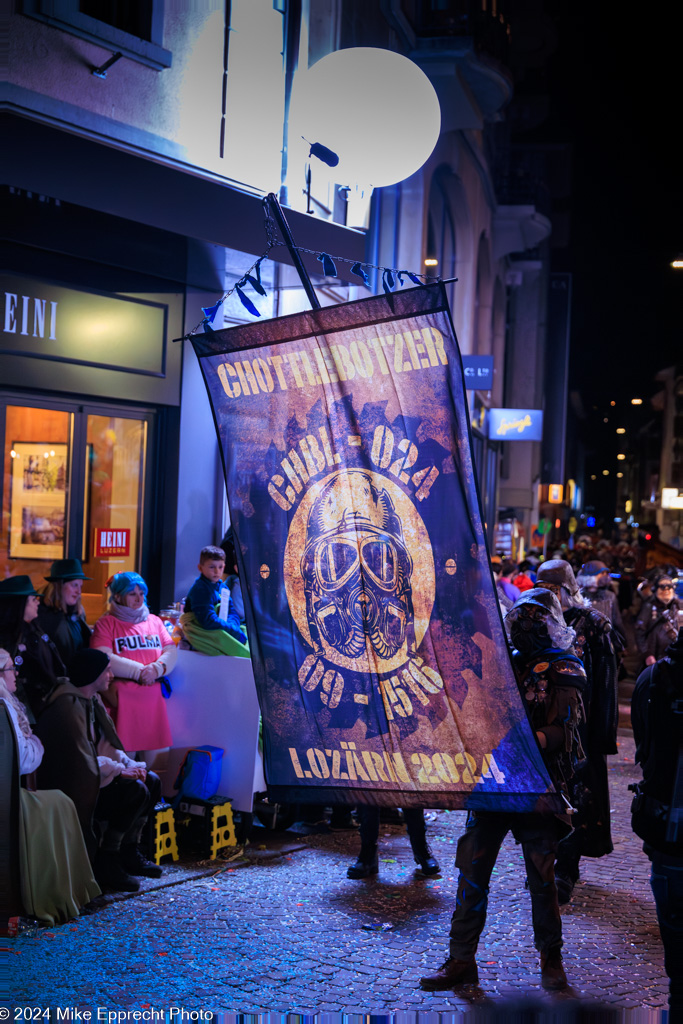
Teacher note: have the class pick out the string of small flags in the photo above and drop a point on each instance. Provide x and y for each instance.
(252, 278)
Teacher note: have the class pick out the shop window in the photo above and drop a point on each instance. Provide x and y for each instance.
(131, 27)
(36, 491)
(131, 16)
(116, 449)
(73, 486)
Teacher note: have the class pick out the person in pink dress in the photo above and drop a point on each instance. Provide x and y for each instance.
(141, 652)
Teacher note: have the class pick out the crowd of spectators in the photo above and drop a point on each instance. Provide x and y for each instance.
(644, 607)
(87, 709)
(90, 722)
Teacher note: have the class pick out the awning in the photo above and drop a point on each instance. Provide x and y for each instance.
(99, 176)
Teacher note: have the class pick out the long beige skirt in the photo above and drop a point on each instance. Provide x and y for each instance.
(56, 875)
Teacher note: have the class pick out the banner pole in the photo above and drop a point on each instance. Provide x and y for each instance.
(279, 216)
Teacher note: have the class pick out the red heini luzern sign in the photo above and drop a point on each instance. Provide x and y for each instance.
(111, 542)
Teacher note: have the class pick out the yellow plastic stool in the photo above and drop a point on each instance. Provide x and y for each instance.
(222, 828)
(165, 839)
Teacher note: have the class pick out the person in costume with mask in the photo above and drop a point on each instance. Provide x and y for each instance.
(551, 679)
(589, 789)
(659, 620)
(595, 583)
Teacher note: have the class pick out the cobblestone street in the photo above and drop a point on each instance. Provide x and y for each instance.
(289, 932)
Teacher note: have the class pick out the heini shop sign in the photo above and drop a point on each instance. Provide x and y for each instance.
(515, 424)
(44, 320)
(111, 542)
(28, 315)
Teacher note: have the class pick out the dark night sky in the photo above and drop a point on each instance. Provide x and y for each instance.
(615, 82)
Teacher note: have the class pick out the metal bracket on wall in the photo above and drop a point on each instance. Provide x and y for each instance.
(101, 72)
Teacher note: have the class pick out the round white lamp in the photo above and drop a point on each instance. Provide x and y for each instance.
(374, 108)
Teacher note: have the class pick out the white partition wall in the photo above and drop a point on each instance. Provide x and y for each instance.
(214, 701)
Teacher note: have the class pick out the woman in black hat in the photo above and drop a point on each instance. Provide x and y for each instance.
(37, 659)
(61, 614)
(18, 606)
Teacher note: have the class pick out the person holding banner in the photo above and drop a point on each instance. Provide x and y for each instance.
(367, 864)
(551, 678)
(596, 641)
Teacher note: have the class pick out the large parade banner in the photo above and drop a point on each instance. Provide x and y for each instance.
(378, 648)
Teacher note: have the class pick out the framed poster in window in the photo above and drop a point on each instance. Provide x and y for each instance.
(38, 502)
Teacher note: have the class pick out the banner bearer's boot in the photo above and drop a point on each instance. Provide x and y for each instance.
(367, 863)
(552, 971)
(423, 855)
(451, 975)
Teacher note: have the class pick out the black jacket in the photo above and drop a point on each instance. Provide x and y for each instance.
(656, 626)
(594, 636)
(657, 719)
(552, 683)
(55, 623)
(589, 788)
(39, 667)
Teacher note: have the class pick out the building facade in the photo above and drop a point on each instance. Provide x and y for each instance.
(140, 147)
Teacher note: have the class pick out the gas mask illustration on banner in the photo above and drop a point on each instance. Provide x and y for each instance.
(359, 577)
(357, 571)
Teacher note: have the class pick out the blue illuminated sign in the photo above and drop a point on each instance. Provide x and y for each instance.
(478, 372)
(515, 424)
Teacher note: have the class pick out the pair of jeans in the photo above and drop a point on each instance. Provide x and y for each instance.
(666, 880)
(477, 852)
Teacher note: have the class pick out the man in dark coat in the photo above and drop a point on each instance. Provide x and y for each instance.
(657, 809)
(589, 791)
(551, 678)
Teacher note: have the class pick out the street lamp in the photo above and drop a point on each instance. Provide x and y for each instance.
(356, 104)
